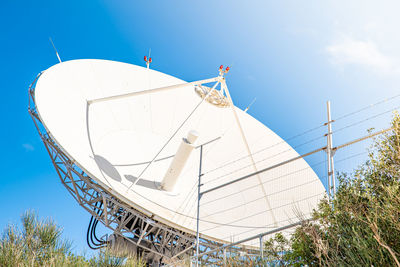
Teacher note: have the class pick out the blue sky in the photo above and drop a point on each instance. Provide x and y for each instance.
(291, 56)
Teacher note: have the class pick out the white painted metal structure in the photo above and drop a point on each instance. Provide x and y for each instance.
(114, 140)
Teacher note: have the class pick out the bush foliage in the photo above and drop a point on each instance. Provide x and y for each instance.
(361, 225)
(39, 243)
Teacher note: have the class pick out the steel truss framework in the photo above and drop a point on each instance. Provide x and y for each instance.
(155, 241)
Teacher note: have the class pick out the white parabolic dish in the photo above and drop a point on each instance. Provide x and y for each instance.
(113, 141)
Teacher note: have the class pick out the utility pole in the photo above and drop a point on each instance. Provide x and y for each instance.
(330, 152)
(198, 209)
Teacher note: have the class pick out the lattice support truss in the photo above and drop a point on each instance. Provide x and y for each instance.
(155, 240)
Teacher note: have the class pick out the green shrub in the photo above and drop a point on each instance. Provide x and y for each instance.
(39, 243)
(361, 226)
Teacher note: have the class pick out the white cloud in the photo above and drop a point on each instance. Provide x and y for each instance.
(349, 51)
(28, 147)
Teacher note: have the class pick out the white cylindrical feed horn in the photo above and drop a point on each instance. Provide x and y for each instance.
(179, 161)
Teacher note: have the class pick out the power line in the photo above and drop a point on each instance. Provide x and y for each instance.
(259, 151)
(269, 181)
(257, 199)
(279, 177)
(259, 213)
(366, 107)
(366, 119)
(269, 226)
(237, 170)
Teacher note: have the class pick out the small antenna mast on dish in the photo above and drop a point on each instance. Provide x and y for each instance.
(55, 49)
(252, 102)
(148, 60)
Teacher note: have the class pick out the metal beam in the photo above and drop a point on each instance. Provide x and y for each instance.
(254, 237)
(262, 170)
(154, 90)
(362, 138)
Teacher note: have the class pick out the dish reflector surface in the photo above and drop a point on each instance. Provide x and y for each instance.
(113, 141)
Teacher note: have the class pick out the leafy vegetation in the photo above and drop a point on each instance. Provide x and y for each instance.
(39, 243)
(361, 225)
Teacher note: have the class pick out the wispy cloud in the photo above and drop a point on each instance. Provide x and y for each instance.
(349, 51)
(28, 147)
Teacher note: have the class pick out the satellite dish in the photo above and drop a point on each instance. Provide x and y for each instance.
(113, 141)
